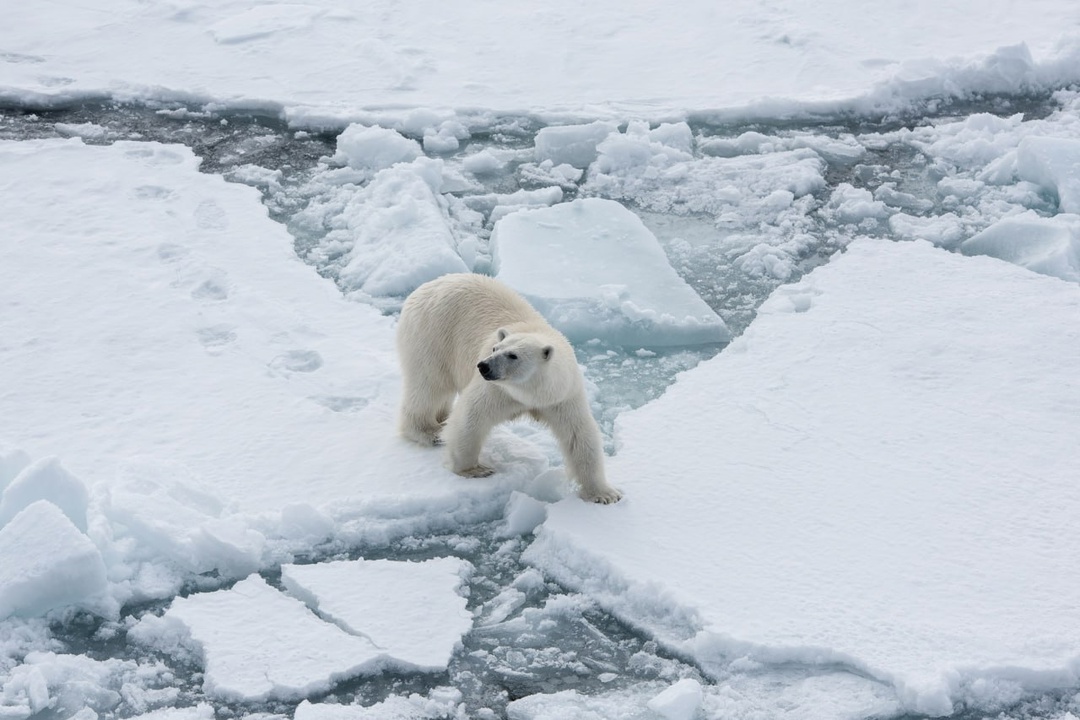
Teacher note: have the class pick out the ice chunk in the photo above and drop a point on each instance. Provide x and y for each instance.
(399, 232)
(258, 643)
(46, 479)
(1053, 164)
(412, 611)
(572, 144)
(46, 563)
(523, 514)
(1050, 246)
(365, 147)
(440, 703)
(595, 271)
(681, 701)
(171, 516)
(796, 498)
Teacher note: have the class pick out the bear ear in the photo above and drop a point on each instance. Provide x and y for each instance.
(501, 333)
(547, 352)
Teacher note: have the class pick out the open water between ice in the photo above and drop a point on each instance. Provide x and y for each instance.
(768, 203)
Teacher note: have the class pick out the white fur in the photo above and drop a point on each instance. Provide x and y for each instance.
(450, 325)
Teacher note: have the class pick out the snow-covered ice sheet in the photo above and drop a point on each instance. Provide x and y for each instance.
(164, 334)
(595, 271)
(412, 611)
(257, 643)
(880, 472)
(323, 59)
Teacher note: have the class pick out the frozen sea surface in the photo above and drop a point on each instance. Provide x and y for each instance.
(739, 210)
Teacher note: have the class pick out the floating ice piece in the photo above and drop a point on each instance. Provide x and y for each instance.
(258, 643)
(365, 147)
(681, 701)
(202, 711)
(399, 230)
(827, 696)
(1050, 246)
(440, 703)
(798, 498)
(46, 479)
(1054, 164)
(47, 563)
(595, 271)
(572, 144)
(523, 514)
(411, 611)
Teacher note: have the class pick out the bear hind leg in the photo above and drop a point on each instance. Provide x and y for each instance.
(424, 413)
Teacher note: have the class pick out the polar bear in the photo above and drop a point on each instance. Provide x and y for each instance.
(470, 334)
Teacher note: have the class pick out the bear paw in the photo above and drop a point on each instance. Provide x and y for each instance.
(604, 496)
(477, 471)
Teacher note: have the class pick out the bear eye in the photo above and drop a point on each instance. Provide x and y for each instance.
(512, 356)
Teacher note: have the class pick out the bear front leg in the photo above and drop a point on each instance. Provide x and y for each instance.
(583, 449)
(478, 410)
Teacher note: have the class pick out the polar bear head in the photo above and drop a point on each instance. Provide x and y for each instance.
(516, 357)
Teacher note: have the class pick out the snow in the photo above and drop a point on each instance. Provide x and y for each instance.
(411, 611)
(820, 465)
(595, 271)
(325, 61)
(257, 643)
(47, 563)
(196, 366)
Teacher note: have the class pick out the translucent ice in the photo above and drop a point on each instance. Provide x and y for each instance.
(595, 271)
(1050, 246)
(46, 479)
(1054, 164)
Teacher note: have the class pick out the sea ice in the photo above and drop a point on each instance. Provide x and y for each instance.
(258, 643)
(363, 147)
(879, 472)
(595, 271)
(412, 612)
(1050, 246)
(399, 233)
(47, 563)
(46, 479)
(220, 360)
(573, 145)
(681, 701)
(442, 703)
(1053, 164)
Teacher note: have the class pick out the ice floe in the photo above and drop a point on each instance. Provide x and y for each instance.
(595, 271)
(412, 612)
(257, 643)
(842, 484)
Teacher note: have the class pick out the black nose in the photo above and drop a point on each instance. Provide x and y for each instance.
(485, 369)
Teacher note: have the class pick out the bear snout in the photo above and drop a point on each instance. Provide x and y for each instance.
(485, 370)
